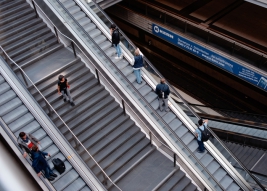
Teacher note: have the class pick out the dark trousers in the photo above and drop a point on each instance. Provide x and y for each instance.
(48, 171)
(200, 146)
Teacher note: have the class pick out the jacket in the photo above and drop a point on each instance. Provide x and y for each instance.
(115, 37)
(138, 61)
(162, 88)
(24, 146)
(38, 161)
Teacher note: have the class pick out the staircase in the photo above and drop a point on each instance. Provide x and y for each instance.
(148, 93)
(112, 138)
(19, 119)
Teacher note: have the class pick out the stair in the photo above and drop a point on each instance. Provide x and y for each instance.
(19, 119)
(113, 139)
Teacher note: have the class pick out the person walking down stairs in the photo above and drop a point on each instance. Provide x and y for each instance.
(63, 89)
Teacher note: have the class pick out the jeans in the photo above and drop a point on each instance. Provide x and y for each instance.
(163, 102)
(118, 49)
(48, 171)
(66, 94)
(200, 146)
(137, 73)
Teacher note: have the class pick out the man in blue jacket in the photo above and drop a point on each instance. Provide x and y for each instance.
(40, 164)
(163, 91)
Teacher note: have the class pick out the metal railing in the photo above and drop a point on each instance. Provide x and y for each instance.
(147, 104)
(155, 71)
(76, 51)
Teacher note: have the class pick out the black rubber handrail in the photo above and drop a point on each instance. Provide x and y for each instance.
(140, 95)
(173, 90)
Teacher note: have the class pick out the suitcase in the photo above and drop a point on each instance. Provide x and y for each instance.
(59, 165)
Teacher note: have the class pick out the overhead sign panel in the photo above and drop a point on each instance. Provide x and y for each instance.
(212, 57)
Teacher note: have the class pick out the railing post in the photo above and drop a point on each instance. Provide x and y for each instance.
(150, 136)
(56, 34)
(74, 51)
(76, 143)
(35, 9)
(97, 75)
(174, 159)
(23, 76)
(123, 106)
(105, 179)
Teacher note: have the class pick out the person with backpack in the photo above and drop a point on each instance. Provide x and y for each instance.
(63, 89)
(138, 64)
(202, 134)
(115, 34)
(40, 164)
(163, 91)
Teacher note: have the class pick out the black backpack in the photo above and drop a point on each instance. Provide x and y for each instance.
(205, 134)
(59, 165)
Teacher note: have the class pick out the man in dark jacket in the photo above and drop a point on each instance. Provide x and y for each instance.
(114, 31)
(163, 91)
(40, 164)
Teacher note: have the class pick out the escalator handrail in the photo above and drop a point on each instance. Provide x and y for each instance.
(148, 104)
(177, 94)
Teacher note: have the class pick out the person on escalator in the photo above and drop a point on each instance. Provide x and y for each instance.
(40, 164)
(201, 133)
(63, 89)
(26, 142)
(163, 91)
(138, 64)
(114, 31)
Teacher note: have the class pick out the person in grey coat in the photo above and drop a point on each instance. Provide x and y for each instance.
(26, 141)
(163, 91)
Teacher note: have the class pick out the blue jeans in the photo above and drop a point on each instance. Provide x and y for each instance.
(118, 49)
(48, 171)
(138, 75)
(200, 146)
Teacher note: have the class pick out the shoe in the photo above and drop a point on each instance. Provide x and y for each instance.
(117, 57)
(72, 104)
(200, 151)
(54, 175)
(64, 100)
(51, 178)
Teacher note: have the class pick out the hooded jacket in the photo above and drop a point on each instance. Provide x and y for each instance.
(138, 61)
(24, 146)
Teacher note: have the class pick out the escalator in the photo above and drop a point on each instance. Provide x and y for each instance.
(105, 138)
(78, 13)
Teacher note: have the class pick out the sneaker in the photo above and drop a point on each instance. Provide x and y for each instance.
(200, 151)
(117, 57)
(54, 175)
(64, 100)
(51, 178)
(72, 104)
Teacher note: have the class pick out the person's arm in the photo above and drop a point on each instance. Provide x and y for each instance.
(157, 90)
(58, 90)
(44, 153)
(205, 122)
(67, 83)
(196, 133)
(168, 91)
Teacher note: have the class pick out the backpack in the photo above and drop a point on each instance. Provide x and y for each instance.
(205, 134)
(59, 165)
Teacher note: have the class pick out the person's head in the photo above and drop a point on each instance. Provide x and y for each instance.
(200, 122)
(22, 135)
(61, 78)
(137, 52)
(34, 148)
(162, 80)
(113, 26)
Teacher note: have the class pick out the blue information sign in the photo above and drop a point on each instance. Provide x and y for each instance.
(212, 57)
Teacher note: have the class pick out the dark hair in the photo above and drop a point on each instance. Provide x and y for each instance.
(34, 148)
(113, 26)
(22, 134)
(200, 122)
(60, 77)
